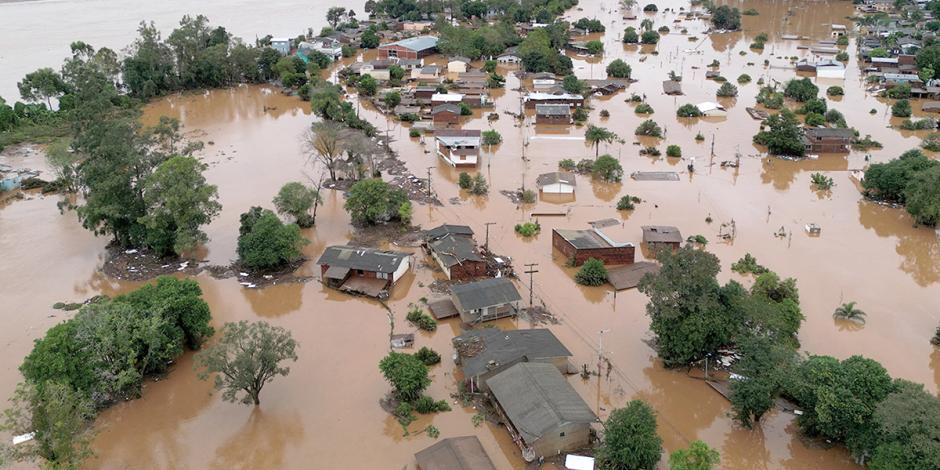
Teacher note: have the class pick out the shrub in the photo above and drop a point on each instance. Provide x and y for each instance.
(650, 7)
(580, 115)
(748, 265)
(674, 151)
(644, 108)
(465, 110)
(422, 320)
(428, 356)
(699, 137)
(528, 229)
(585, 166)
(800, 90)
(727, 90)
(627, 203)
(650, 151)
(630, 36)
(697, 239)
(426, 404)
(649, 128)
(744, 78)
(464, 180)
(821, 181)
(814, 105)
(899, 92)
(649, 37)
(688, 110)
(750, 12)
(918, 125)
(567, 164)
(901, 108)
(835, 91)
(663, 29)
(592, 273)
(529, 196)
(607, 168)
(479, 186)
(619, 69)
(491, 137)
(842, 56)
(931, 142)
(842, 41)
(414, 133)
(814, 120)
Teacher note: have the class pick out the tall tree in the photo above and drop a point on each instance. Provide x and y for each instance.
(324, 141)
(595, 135)
(295, 199)
(407, 374)
(42, 85)
(246, 358)
(630, 441)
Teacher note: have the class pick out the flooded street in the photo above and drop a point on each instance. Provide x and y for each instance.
(326, 413)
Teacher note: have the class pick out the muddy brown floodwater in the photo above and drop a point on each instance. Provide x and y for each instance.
(326, 413)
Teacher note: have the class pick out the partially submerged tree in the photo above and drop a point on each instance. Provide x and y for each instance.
(324, 141)
(595, 135)
(630, 441)
(266, 243)
(372, 201)
(783, 135)
(592, 273)
(697, 457)
(407, 374)
(847, 311)
(607, 168)
(247, 357)
(295, 199)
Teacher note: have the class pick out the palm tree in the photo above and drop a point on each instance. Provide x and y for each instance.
(848, 312)
(595, 135)
(646, 24)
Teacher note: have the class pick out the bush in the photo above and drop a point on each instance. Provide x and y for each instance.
(464, 180)
(919, 125)
(649, 37)
(465, 109)
(529, 196)
(619, 69)
(821, 181)
(414, 133)
(770, 98)
(931, 142)
(898, 92)
(408, 376)
(835, 91)
(814, 105)
(650, 151)
(491, 137)
(579, 115)
(567, 164)
(528, 229)
(643, 108)
(699, 137)
(800, 90)
(593, 273)
(428, 356)
(627, 203)
(265, 243)
(748, 265)
(727, 90)
(744, 78)
(663, 29)
(630, 36)
(479, 186)
(688, 110)
(650, 7)
(674, 151)
(630, 438)
(842, 41)
(814, 120)
(585, 166)
(901, 108)
(842, 56)
(649, 128)
(422, 320)
(607, 168)
(426, 404)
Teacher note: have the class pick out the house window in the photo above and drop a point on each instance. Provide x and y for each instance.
(561, 434)
(381, 275)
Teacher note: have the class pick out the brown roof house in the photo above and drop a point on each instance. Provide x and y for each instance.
(485, 300)
(445, 113)
(544, 414)
(579, 245)
(657, 237)
(827, 140)
(553, 114)
(363, 270)
(485, 352)
(455, 453)
(455, 251)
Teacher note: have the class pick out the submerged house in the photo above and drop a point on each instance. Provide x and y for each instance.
(553, 114)
(712, 109)
(827, 140)
(556, 182)
(672, 87)
(485, 300)
(579, 245)
(455, 453)
(544, 414)
(485, 352)
(453, 249)
(363, 270)
(458, 147)
(658, 237)
(537, 98)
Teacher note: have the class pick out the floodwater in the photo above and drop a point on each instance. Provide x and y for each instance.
(326, 412)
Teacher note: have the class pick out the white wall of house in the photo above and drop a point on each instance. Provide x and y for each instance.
(402, 269)
(558, 188)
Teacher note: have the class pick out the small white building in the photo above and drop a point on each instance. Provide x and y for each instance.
(509, 57)
(713, 109)
(838, 30)
(328, 46)
(827, 68)
(281, 45)
(458, 65)
(446, 98)
(426, 73)
(556, 182)
(458, 147)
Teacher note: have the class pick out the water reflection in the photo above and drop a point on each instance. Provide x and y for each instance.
(918, 247)
(260, 442)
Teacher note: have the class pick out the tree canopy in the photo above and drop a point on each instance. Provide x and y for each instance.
(783, 135)
(265, 243)
(630, 441)
(371, 201)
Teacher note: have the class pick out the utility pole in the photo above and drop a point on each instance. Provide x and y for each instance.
(486, 245)
(531, 271)
(600, 347)
(429, 180)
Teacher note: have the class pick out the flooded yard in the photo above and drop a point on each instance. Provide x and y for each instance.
(326, 413)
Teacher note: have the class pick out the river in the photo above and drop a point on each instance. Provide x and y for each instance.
(326, 414)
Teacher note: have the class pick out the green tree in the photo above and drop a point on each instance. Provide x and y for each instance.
(649, 37)
(595, 135)
(59, 416)
(148, 70)
(295, 200)
(267, 243)
(369, 39)
(929, 57)
(888, 181)
(392, 99)
(674, 151)
(901, 108)
(726, 90)
(571, 84)
(697, 457)
(800, 90)
(688, 110)
(763, 369)
(630, 441)
(649, 128)
(371, 201)
(630, 35)
(592, 273)
(922, 196)
(180, 302)
(594, 47)
(847, 311)
(607, 168)
(908, 429)
(618, 69)
(42, 85)
(407, 374)
(178, 201)
(491, 137)
(783, 135)
(726, 17)
(247, 357)
(334, 15)
(367, 85)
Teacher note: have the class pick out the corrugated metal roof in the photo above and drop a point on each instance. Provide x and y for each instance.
(417, 43)
(582, 239)
(445, 229)
(482, 294)
(366, 259)
(554, 177)
(503, 347)
(455, 453)
(455, 249)
(661, 234)
(537, 399)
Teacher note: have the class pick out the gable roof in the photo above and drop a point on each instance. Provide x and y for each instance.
(455, 453)
(555, 177)
(455, 249)
(537, 399)
(417, 43)
(485, 293)
(661, 234)
(446, 107)
(553, 109)
(823, 132)
(582, 239)
(458, 137)
(366, 259)
(672, 87)
(445, 229)
(502, 347)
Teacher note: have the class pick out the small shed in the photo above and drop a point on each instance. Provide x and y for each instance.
(484, 352)
(556, 182)
(485, 300)
(672, 87)
(553, 114)
(544, 413)
(658, 237)
(457, 64)
(712, 109)
(458, 147)
(455, 453)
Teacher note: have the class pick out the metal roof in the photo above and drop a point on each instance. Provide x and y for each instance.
(366, 259)
(503, 347)
(455, 453)
(661, 234)
(485, 293)
(829, 132)
(417, 43)
(553, 109)
(555, 177)
(628, 276)
(455, 249)
(583, 239)
(446, 107)
(537, 399)
(671, 87)
(445, 229)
